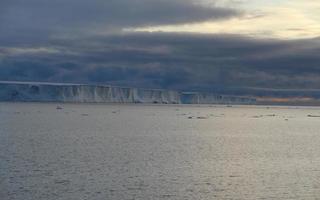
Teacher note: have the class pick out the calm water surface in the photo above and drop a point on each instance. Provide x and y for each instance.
(116, 152)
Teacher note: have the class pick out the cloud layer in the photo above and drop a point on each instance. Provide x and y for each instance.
(21, 19)
(179, 61)
(84, 41)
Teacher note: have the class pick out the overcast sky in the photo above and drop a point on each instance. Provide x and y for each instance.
(177, 44)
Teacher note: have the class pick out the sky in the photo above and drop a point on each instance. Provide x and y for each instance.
(207, 45)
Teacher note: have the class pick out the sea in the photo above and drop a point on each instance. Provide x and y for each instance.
(54, 151)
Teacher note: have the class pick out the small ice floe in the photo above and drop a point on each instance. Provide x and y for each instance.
(260, 116)
(217, 115)
(202, 117)
(59, 108)
(63, 182)
(288, 117)
(313, 115)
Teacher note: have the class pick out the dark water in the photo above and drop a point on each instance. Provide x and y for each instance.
(158, 152)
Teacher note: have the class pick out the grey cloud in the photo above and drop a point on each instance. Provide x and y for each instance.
(178, 61)
(47, 18)
(80, 41)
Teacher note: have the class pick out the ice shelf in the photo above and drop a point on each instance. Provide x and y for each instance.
(60, 92)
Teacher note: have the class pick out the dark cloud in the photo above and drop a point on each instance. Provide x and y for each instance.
(22, 20)
(26, 70)
(221, 63)
(81, 41)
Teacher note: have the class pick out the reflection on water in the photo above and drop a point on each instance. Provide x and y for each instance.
(82, 151)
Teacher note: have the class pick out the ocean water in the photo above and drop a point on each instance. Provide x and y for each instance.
(87, 151)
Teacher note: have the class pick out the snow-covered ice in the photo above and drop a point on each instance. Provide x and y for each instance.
(60, 92)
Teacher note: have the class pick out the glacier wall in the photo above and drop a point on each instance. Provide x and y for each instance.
(46, 92)
(211, 98)
(55, 92)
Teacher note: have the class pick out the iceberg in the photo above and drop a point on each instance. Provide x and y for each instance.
(56, 92)
(81, 93)
(211, 98)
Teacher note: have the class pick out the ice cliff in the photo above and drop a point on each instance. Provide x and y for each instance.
(211, 98)
(55, 92)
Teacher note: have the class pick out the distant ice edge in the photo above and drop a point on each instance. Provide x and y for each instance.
(56, 92)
